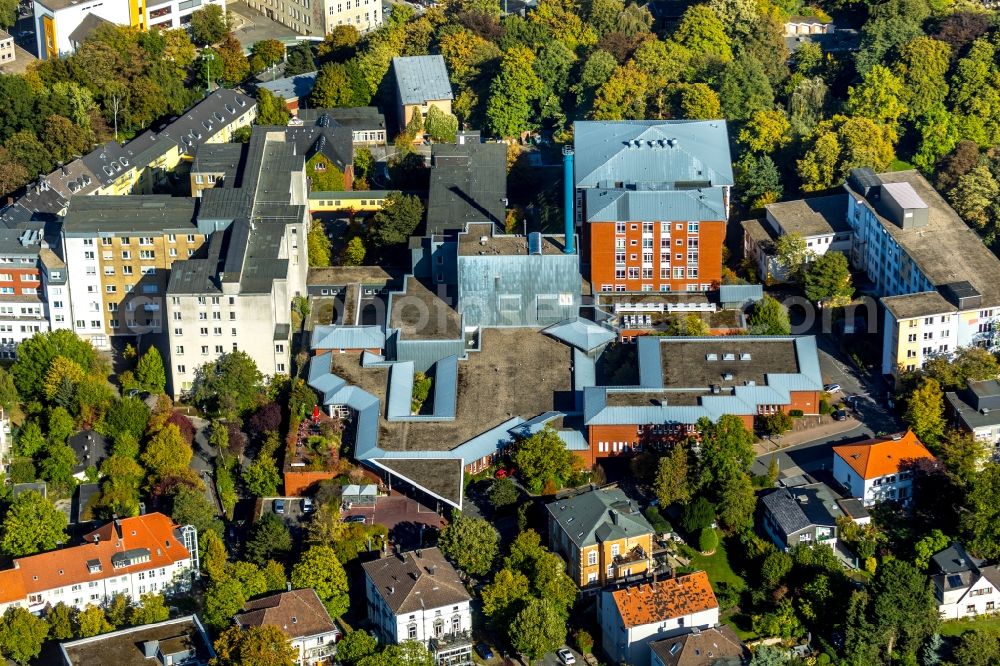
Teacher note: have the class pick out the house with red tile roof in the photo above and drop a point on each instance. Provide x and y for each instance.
(130, 556)
(634, 615)
(880, 469)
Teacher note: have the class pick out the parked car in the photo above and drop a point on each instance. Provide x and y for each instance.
(484, 651)
(566, 657)
(307, 505)
(832, 388)
(840, 415)
(355, 519)
(279, 506)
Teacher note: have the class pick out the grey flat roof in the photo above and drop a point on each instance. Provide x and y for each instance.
(969, 415)
(420, 79)
(421, 314)
(218, 158)
(661, 152)
(946, 250)
(606, 205)
(152, 213)
(291, 87)
(922, 304)
(468, 184)
(812, 217)
(125, 647)
(471, 242)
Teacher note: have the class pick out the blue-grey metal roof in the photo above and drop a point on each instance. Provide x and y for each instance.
(420, 79)
(665, 152)
(347, 337)
(598, 515)
(584, 370)
(400, 396)
(697, 205)
(291, 87)
(581, 333)
(446, 387)
(740, 293)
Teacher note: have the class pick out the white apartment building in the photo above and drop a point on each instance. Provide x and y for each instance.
(301, 615)
(130, 556)
(877, 470)
(319, 17)
(7, 51)
(238, 295)
(418, 596)
(632, 616)
(61, 25)
(939, 283)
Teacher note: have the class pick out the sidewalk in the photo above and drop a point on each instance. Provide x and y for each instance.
(824, 431)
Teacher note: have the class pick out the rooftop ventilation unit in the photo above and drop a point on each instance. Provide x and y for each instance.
(711, 357)
(744, 357)
(728, 376)
(729, 357)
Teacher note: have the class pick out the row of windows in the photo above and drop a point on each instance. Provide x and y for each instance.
(143, 240)
(27, 291)
(663, 287)
(648, 227)
(29, 277)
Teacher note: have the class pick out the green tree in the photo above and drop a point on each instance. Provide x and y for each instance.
(271, 109)
(266, 645)
(902, 607)
(397, 220)
(472, 543)
(925, 411)
(354, 252)
(759, 181)
(505, 595)
(27, 150)
(690, 324)
(514, 93)
(737, 503)
(769, 655)
(61, 425)
(503, 493)
(880, 97)
(36, 354)
(224, 598)
(624, 96)
(978, 647)
(841, 144)
(766, 130)
(229, 385)
(208, 25)
(270, 538)
(8, 14)
(974, 197)
(191, 507)
(300, 60)
(167, 452)
(8, 391)
(126, 418)
(261, 476)
(542, 457)
(335, 87)
(744, 87)
(538, 629)
(923, 66)
(267, 52)
(701, 32)
(890, 25)
(440, 125)
(92, 621)
(927, 546)
(726, 450)
(967, 364)
(319, 245)
(355, 646)
(32, 524)
(828, 280)
(769, 317)
(61, 619)
(56, 465)
(21, 635)
(698, 515)
(672, 482)
(149, 371)
(982, 520)
(320, 569)
(708, 540)
(30, 440)
(151, 608)
(699, 102)
(774, 568)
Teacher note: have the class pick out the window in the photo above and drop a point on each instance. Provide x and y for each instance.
(180, 369)
(179, 349)
(411, 631)
(146, 254)
(615, 550)
(592, 558)
(126, 254)
(279, 349)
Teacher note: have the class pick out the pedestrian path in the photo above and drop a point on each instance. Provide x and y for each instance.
(824, 431)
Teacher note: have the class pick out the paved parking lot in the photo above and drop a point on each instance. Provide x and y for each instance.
(408, 521)
(294, 517)
(250, 26)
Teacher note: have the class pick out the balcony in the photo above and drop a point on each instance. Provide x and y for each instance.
(453, 649)
(637, 554)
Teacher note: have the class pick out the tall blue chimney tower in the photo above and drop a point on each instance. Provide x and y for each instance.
(569, 199)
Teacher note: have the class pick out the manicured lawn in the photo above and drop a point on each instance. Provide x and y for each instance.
(717, 567)
(900, 165)
(959, 627)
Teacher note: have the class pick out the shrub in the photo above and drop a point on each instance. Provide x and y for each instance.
(584, 641)
(796, 413)
(708, 540)
(777, 423)
(698, 515)
(503, 493)
(657, 520)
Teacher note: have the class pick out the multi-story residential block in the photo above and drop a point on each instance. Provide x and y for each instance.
(213, 165)
(181, 641)
(963, 585)
(879, 469)
(5, 442)
(652, 198)
(61, 25)
(715, 646)
(807, 514)
(976, 409)
(602, 535)
(684, 379)
(7, 50)
(130, 556)
(821, 222)
(421, 82)
(367, 123)
(55, 287)
(632, 616)
(302, 616)
(939, 283)
(119, 250)
(317, 19)
(237, 295)
(418, 596)
(22, 304)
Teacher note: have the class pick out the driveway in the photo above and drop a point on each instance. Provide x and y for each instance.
(552, 660)
(250, 26)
